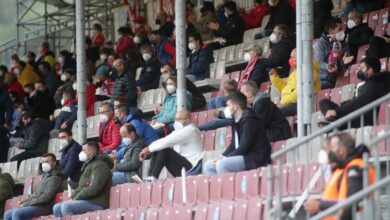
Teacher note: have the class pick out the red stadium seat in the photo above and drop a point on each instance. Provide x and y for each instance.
(157, 190)
(28, 184)
(135, 195)
(134, 214)
(352, 74)
(125, 196)
(222, 187)
(201, 212)
(80, 217)
(361, 53)
(335, 95)
(235, 76)
(255, 208)
(145, 194)
(278, 146)
(202, 136)
(223, 210)
(209, 141)
(210, 115)
(247, 184)
(194, 118)
(115, 194)
(382, 146)
(94, 215)
(168, 192)
(384, 113)
(342, 79)
(202, 118)
(111, 214)
(151, 214)
(311, 169)
(265, 87)
(295, 179)
(176, 212)
(58, 198)
(228, 186)
(383, 17)
(240, 209)
(383, 64)
(380, 30)
(265, 181)
(373, 18)
(285, 176)
(10, 203)
(203, 189)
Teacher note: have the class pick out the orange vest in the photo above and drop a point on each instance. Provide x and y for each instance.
(331, 190)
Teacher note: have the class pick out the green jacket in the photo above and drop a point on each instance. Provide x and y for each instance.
(130, 164)
(45, 191)
(95, 181)
(6, 185)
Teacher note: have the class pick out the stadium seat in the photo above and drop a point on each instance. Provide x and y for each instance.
(191, 187)
(28, 184)
(151, 214)
(168, 192)
(203, 189)
(58, 198)
(202, 117)
(264, 175)
(11, 168)
(194, 118)
(383, 17)
(157, 193)
(383, 64)
(201, 212)
(278, 146)
(80, 217)
(213, 68)
(310, 170)
(134, 214)
(295, 180)
(222, 187)
(382, 146)
(335, 95)
(230, 53)
(222, 210)
(322, 94)
(135, 195)
(54, 147)
(384, 111)
(145, 194)
(11, 203)
(220, 135)
(220, 70)
(342, 79)
(255, 209)
(115, 194)
(380, 30)
(240, 209)
(292, 156)
(347, 92)
(20, 175)
(352, 74)
(265, 87)
(361, 53)
(111, 214)
(125, 194)
(373, 18)
(209, 140)
(247, 184)
(274, 94)
(364, 135)
(235, 76)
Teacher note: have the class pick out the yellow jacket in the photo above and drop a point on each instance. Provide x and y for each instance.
(28, 76)
(288, 89)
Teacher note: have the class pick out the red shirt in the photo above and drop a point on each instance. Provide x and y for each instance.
(254, 17)
(98, 40)
(123, 45)
(90, 99)
(107, 87)
(17, 88)
(171, 50)
(109, 139)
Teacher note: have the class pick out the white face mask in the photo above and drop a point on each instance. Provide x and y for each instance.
(322, 157)
(137, 40)
(74, 86)
(340, 36)
(171, 89)
(351, 24)
(247, 57)
(25, 59)
(164, 77)
(226, 14)
(83, 156)
(178, 125)
(63, 143)
(62, 101)
(61, 60)
(16, 71)
(228, 112)
(271, 3)
(146, 56)
(63, 77)
(273, 38)
(46, 167)
(127, 141)
(191, 46)
(103, 118)
(103, 57)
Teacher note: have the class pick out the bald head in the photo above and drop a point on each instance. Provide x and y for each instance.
(183, 116)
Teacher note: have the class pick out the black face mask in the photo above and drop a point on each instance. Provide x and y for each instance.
(361, 75)
(99, 84)
(334, 158)
(114, 73)
(158, 21)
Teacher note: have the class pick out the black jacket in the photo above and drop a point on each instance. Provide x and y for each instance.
(6, 108)
(36, 136)
(69, 63)
(150, 75)
(52, 83)
(199, 65)
(275, 123)
(125, 86)
(373, 88)
(70, 163)
(358, 36)
(167, 29)
(233, 31)
(282, 13)
(280, 54)
(253, 141)
(41, 105)
(198, 100)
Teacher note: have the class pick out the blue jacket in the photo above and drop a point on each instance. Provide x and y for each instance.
(167, 115)
(70, 163)
(162, 54)
(199, 65)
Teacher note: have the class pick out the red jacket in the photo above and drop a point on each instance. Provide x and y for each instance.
(90, 100)
(124, 45)
(98, 40)
(254, 17)
(16, 87)
(109, 139)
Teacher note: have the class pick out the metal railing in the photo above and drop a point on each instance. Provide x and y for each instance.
(303, 146)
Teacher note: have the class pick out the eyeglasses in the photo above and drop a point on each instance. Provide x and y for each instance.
(62, 137)
(104, 112)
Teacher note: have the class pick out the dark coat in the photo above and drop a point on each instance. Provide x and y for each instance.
(45, 191)
(322, 10)
(36, 137)
(275, 122)
(358, 36)
(150, 75)
(233, 31)
(125, 86)
(6, 185)
(6, 108)
(199, 65)
(280, 54)
(198, 100)
(70, 163)
(254, 144)
(52, 82)
(41, 105)
(282, 13)
(130, 164)
(167, 29)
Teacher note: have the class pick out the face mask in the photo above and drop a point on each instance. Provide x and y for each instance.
(16, 71)
(103, 57)
(322, 157)
(74, 86)
(63, 143)
(46, 167)
(228, 113)
(247, 57)
(63, 77)
(62, 101)
(127, 141)
(271, 3)
(361, 75)
(83, 156)
(351, 24)
(191, 46)
(61, 60)
(226, 14)
(137, 40)
(114, 72)
(292, 62)
(164, 77)
(158, 21)
(178, 125)
(103, 118)
(340, 36)
(171, 89)
(273, 38)
(333, 158)
(146, 56)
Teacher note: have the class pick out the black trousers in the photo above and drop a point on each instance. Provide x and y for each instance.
(4, 146)
(170, 159)
(24, 156)
(326, 105)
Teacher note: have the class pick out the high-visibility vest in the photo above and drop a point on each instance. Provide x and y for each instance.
(331, 190)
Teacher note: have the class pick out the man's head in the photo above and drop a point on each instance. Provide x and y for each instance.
(45, 45)
(167, 70)
(293, 59)
(342, 146)
(280, 31)
(119, 66)
(121, 101)
(96, 28)
(68, 94)
(29, 88)
(146, 51)
(195, 42)
(250, 90)
(29, 57)
(48, 162)
(354, 19)
(65, 137)
(162, 18)
(128, 133)
(89, 150)
(334, 27)
(124, 31)
(45, 68)
(40, 86)
(230, 7)
(229, 86)
(106, 112)
(182, 119)
(368, 67)
(155, 36)
(121, 113)
(27, 118)
(235, 105)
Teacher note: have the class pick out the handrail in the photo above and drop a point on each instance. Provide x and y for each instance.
(331, 126)
(353, 199)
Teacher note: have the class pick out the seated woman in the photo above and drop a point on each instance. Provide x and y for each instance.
(165, 115)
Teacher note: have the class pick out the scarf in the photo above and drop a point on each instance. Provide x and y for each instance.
(248, 71)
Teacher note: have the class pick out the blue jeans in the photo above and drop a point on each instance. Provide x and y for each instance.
(225, 165)
(74, 207)
(217, 123)
(118, 178)
(24, 213)
(217, 102)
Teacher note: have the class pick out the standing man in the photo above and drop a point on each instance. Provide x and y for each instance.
(125, 84)
(6, 111)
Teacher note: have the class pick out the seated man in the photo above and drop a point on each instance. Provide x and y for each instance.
(254, 17)
(93, 191)
(164, 48)
(198, 100)
(288, 89)
(150, 73)
(70, 150)
(130, 165)
(6, 185)
(200, 58)
(229, 86)
(274, 121)
(36, 138)
(109, 137)
(38, 98)
(68, 102)
(249, 148)
(182, 148)
(41, 202)
(375, 86)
